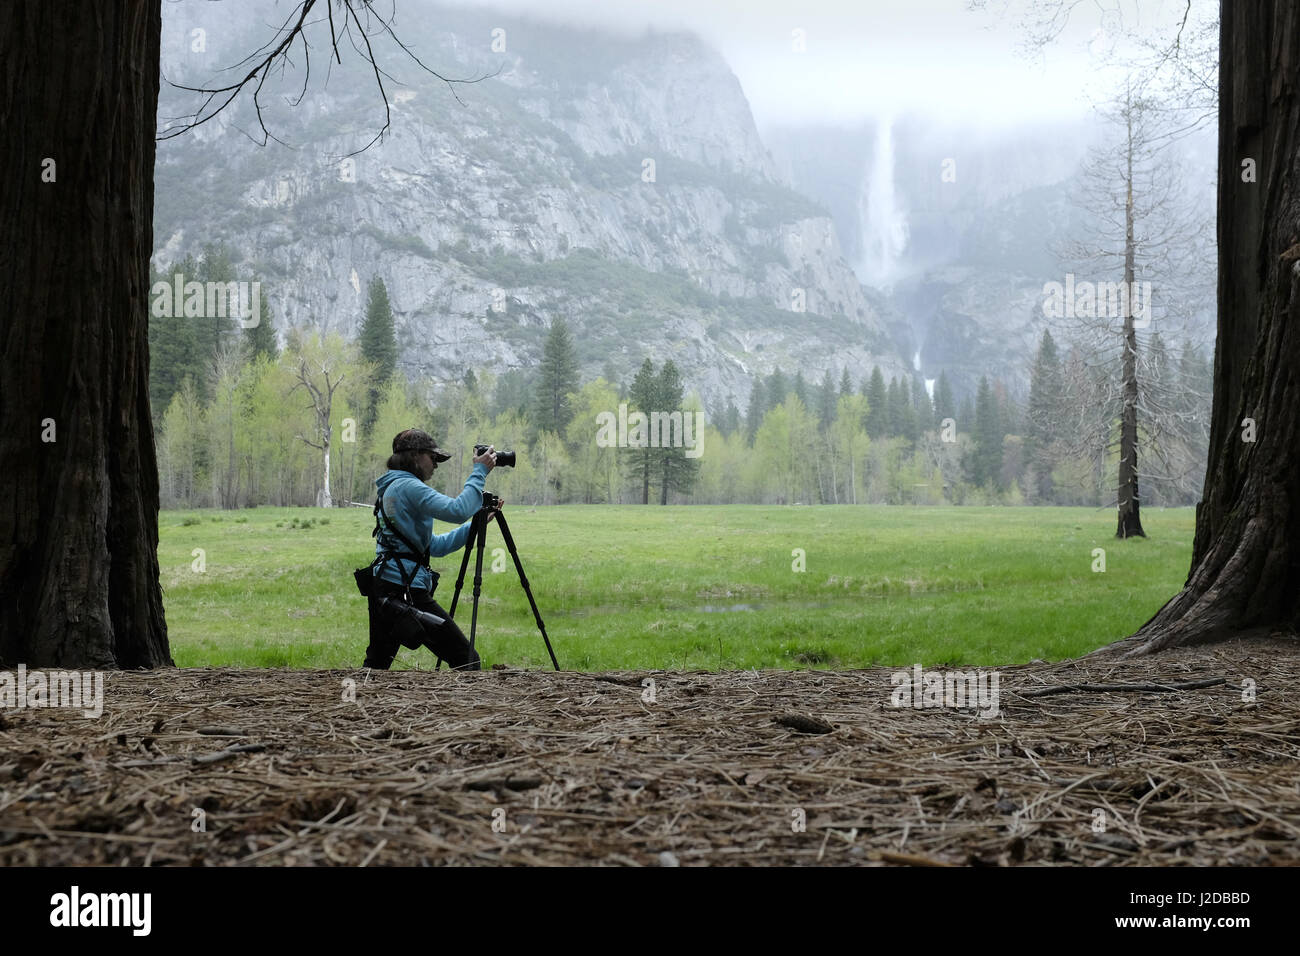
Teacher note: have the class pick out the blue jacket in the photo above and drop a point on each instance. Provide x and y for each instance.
(412, 505)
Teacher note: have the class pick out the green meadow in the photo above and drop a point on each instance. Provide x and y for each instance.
(627, 587)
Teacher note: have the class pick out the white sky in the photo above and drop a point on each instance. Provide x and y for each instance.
(866, 58)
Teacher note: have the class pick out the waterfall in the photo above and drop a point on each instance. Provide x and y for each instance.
(916, 367)
(883, 222)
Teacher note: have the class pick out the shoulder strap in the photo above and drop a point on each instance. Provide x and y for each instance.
(419, 556)
(421, 553)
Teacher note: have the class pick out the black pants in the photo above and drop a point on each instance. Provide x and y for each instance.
(445, 641)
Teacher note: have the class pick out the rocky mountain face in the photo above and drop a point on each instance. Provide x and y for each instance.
(617, 182)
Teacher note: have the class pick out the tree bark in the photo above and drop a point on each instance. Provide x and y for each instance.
(79, 527)
(1245, 574)
(1130, 519)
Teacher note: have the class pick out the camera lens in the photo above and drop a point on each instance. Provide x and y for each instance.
(505, 459)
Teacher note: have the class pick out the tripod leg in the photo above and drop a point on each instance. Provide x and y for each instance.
(478, 574)
(477, 532)
(464, 562)
(523, 579)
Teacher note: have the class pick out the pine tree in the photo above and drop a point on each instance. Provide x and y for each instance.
(894, 410)
(877, 406)
(1008, 409)
(378, 341)
(677, 472)
(777, 389)
(944, 406)
(826, 401)
(966, 416)
(186, 343)
(754, 414)
(729, 424)
(846, 383)
(214, 330)
(260, 340)
(643, 397)
(985, 462)
(801, 387)
(173, 344)
(1045, 418)
(923, 406)
(907, 425)
(557, 377)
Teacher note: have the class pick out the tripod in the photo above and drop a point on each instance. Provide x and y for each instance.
(477, 539)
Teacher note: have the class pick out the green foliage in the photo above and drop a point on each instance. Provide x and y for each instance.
(258, 437)
(513, 391)
(595, 474)
(782, 445)
(194, 339)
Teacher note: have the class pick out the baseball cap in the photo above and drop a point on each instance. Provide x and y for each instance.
(415, 440)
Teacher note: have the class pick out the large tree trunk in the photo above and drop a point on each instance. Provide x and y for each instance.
(1245, 576)
(79, 525)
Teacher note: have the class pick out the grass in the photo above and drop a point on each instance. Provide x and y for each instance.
(689, 587)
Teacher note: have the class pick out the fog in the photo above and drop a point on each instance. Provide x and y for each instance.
(870, 59)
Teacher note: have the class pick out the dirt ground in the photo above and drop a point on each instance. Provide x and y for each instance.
(226, 767)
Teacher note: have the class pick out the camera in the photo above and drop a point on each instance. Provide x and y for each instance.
(505, 459)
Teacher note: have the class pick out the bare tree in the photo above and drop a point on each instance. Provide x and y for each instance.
(1144, 233)
(320, 369)
(358, 23)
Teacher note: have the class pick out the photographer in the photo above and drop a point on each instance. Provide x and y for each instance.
(404, 543)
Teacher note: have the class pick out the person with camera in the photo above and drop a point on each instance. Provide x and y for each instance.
(400, 597)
